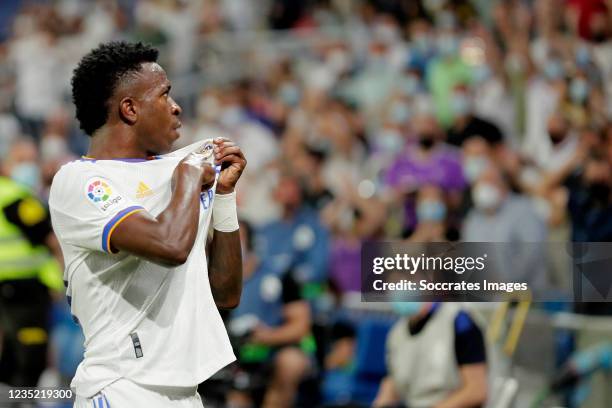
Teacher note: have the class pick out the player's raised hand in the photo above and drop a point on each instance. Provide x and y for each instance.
(232, 161)
(196, 166)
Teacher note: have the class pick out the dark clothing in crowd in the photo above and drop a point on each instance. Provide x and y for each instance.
(475, 127)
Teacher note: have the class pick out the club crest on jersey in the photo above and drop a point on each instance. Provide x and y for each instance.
(206, 150)
(101, 194)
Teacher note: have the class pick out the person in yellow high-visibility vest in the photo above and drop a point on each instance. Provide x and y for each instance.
(29, 274)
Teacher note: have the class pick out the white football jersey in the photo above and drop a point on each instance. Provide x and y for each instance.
(151, 324)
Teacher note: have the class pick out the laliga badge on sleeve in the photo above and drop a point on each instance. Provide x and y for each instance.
(102, 194)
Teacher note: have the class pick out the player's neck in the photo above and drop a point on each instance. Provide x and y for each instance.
(109, 143)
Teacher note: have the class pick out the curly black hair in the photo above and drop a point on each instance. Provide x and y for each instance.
(96, 76)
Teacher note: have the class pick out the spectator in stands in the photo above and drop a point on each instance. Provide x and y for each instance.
(476, 157)
(466, 124)
(351, 218)
(542, 100)
(588, 18)
(423, 48)
(436, 357)
(298, 240)
(429, 161)
(431, 216)
(21, 164)
(503, 216)
(308, 167)
(29, 274)
(590, 200)
(563, 141)
(445, 73)
(271, 327)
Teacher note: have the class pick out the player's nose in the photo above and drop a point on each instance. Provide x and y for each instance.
(175, 108)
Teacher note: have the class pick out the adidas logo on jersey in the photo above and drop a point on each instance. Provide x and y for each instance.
(143, 190)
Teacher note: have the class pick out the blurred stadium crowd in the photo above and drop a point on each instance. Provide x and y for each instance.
(413, 120)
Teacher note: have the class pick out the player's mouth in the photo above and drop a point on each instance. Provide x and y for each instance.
(175, 129)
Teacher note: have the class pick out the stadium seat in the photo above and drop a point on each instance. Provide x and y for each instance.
(360, 383)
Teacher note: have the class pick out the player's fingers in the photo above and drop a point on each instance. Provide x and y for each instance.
(220, 140)
(223, 145)
(226, 151)
(234, 159)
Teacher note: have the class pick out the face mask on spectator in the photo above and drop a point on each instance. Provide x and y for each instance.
(339, 61)
(289, 94)
(473, 167)
(422, 43)
(390, 140)
(460, 104)
(579, 90)
(482, 73)
(407, 309)
(400, 112)
(486, 196)
(427, 141)
(410, 85)
(448, 46)
(431, 210)
(27, 174)
(554, 70)
(377, 61)
(583, 56)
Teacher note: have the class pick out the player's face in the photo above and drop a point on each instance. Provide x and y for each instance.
(158, 116)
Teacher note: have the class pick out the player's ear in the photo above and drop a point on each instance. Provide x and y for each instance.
(128, 111)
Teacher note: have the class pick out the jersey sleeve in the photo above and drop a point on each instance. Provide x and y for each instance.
(86, 209)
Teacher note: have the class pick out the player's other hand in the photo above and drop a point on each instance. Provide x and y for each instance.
(197, 169)
(232, 162)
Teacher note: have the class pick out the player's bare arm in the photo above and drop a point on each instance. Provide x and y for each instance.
(169, 237)
(225, 254)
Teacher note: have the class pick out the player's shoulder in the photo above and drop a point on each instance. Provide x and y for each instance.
(71, 177)
(63, 174)
(69, 173)
(72, 168)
